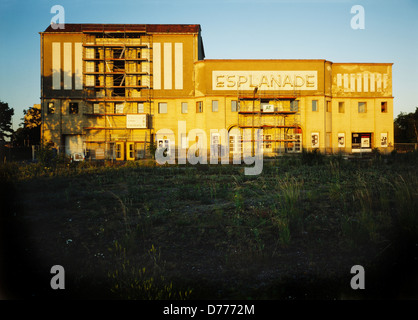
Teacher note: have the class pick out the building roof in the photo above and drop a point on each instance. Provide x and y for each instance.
(149, 28)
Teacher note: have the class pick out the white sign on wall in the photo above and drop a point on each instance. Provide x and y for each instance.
(315, 139)
(268, 108)
(136, 121)
(384, 140)
(264, 80)
(341, 140)
(365, 142)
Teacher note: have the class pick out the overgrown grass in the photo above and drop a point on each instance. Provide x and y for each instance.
(214, 219)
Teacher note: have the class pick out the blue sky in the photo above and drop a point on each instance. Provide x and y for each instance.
(231, 29)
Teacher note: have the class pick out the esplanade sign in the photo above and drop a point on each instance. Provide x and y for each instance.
(264, 80)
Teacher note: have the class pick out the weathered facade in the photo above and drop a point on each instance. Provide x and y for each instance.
(108, 91)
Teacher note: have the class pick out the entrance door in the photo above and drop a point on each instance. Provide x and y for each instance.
(130, 151)
(120, 151)
(361, 142)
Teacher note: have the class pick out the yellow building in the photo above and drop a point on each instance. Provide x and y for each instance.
(108, 91)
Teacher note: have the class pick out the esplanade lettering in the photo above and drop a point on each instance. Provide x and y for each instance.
(264, 80)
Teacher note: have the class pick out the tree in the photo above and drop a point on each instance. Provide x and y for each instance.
(6, 115)
(30, 133)
(406, 127)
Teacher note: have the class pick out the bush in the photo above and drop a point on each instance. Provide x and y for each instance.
(312, 157)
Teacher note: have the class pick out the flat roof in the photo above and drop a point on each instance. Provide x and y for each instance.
(151, 28)
(296, 60)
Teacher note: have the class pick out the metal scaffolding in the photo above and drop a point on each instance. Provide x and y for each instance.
(278, 114)
(117, 73)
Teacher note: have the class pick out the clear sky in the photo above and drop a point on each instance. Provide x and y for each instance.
(231, 29)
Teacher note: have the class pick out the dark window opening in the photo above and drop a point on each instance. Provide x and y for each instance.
(118, 81)
(73, 107)
(199, 106)
(384, 107)
(119, 92)
(118, 53)
(51, 108)
(361, 141)
(119, 65)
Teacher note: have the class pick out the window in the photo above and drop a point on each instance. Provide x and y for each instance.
(295, 145)
(51, 108)
(140, 107)
(234, 106)
(215, 146)
(199, 106)
(96, 108)
(361, 141)
(119, 107)
(214, 105)
(314, 105)
(329, 106)
(384, 107)
(184, 107)
(362, 107)
(267, 142)
(294, 105)
(184, 141)
(73, 107)
(162, 107)
(341, 107)
(90, 66)
(164, 144)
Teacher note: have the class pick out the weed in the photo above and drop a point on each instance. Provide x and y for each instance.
(238, 202)
(282, 225)
(133, 283)
(312, 157)
(290, 202)
(406, 201)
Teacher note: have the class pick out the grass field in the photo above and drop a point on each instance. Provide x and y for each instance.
(140, 231)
